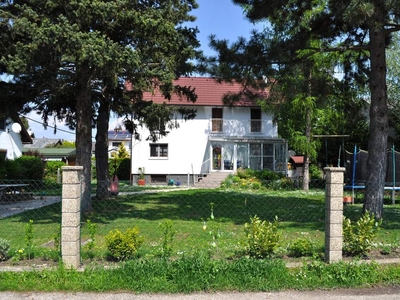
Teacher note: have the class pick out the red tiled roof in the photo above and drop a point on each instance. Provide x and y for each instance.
(209, 92)
(298, 159)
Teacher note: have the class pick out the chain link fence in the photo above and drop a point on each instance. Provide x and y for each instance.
(186, 219)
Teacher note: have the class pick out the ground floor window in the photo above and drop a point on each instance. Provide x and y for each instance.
(158, 150)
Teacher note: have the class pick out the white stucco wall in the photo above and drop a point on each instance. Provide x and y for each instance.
(12, 142)
(188, 144)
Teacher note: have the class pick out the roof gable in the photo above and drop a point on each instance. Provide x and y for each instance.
(43, 142)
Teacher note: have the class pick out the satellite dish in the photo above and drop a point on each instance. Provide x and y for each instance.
(16, 127)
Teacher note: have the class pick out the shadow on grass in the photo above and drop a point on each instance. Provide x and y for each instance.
(226, 206)
(391, 214)
(43, 215)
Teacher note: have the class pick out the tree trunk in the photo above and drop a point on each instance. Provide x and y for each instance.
(306, 164)
(377, 144)
(101, 149)
(84, 132)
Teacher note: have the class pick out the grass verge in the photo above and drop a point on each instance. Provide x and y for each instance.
(200, 273)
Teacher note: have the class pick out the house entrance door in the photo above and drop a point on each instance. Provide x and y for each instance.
(216, 157)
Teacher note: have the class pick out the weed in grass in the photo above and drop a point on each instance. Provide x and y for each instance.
(4, 248)
(339, 274)
(57, 239)
(89, 247)
(215, 233)
(301, 247)
(19, 254)
(168, 238)
(29, 238)
(214, 228)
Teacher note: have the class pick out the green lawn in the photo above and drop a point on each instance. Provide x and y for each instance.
(301, 214)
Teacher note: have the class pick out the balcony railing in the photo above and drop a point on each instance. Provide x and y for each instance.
(255, 125)
(241, 127)
(217, 125)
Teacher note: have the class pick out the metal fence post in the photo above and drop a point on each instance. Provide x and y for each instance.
(334, 214)
(71, 216)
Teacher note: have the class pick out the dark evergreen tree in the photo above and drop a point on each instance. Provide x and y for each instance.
(357, 32)
(72, 56)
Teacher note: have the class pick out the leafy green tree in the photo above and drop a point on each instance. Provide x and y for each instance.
(393, 85)
(357, 32)
(298, 90)
(72, 57)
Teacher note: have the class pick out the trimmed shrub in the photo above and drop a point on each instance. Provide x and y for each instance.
(262, 237)
(358, 238)
(24, 167)
(301, 247)
(123, 246)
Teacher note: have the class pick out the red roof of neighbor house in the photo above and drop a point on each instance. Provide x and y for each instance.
(298, 159)
(209, 92)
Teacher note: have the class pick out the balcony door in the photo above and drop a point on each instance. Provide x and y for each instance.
(216, 119)
(255, 120)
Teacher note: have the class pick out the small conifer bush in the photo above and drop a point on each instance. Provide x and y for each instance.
(123, 246)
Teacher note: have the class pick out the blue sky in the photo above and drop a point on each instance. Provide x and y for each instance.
(219, 17)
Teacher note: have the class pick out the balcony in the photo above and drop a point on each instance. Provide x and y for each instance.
(255, 125)
(217, 125)
(242, 127)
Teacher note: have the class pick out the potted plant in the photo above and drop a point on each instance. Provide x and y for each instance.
(347, 199)
(141, 178)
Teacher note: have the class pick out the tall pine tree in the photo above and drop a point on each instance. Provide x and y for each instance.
(358, 32)
(71, 54)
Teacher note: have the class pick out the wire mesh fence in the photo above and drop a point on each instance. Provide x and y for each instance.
(27, 205)
(184, 219)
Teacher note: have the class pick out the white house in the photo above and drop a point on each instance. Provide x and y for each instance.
(13, 136)
(117, 136)
(221, 138)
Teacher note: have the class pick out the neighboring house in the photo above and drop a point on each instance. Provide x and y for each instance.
(116, 137)
(43, 143)
(221, 138)
(13, 137)
(39, 146)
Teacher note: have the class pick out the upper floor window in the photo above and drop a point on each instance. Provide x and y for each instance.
(255, 120)
(217, 118)
(158, 150)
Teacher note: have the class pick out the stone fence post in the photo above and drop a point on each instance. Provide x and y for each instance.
(71, 216)
(334, 214)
